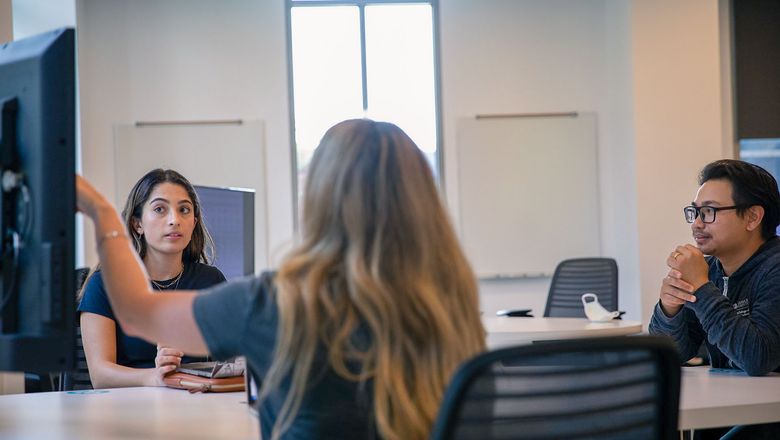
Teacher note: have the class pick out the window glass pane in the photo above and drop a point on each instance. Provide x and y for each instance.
(400, 72)
(762, 152)
(327, 84)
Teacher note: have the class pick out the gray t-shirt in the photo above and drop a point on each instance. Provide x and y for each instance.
(241, 318)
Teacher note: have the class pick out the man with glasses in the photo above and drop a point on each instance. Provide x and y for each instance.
(730, 298)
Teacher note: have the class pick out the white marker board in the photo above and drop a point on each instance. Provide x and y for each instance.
(528, 191)
(219, 155)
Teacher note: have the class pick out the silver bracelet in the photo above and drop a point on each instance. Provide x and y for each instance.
(109, 235)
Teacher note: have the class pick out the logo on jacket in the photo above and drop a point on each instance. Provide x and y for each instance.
(742, 307)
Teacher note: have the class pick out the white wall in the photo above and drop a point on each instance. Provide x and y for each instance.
(679, 120)
(35, 16)
(530, 56)
(657, 75)
(186, 60)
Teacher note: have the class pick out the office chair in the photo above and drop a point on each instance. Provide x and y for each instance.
(606, 388)
(78, 379)
(576, 276)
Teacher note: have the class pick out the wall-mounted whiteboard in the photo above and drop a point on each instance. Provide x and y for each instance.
(218, 155)
(529, 192)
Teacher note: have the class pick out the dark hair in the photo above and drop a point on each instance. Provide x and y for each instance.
(751, 185)
(201, 246)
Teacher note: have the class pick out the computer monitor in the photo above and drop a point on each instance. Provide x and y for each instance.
(37, 203)
(229, 216)
(252, 385)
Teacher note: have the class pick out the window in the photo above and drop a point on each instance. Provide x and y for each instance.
(364, 58)
(764, 153)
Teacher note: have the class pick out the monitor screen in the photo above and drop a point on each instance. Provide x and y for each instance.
(37, 202)
(252, 386)
(229, 216)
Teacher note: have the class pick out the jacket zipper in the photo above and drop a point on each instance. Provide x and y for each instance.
(726, 287)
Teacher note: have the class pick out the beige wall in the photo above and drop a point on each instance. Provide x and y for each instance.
(6, 21)
(678, 112)
(529, 56)
(186, 60)
(11, 383)
(657, 75)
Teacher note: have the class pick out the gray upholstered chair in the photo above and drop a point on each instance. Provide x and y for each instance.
(606, 388)
(576, 276)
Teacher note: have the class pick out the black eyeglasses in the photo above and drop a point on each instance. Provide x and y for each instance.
(706, 213)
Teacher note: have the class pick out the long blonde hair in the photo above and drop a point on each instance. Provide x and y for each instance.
(378, 253)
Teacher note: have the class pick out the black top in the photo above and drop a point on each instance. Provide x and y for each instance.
(241, 318)
(135, 352)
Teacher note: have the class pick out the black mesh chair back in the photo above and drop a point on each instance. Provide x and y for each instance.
(607, 388)
(78, 379)
(576, 276)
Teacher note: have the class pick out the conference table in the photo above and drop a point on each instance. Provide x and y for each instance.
(708, 399)
(712, 398)
(127, 413)
(503, 331)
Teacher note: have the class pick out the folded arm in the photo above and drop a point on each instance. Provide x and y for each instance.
(98, 334)
(683, 328)
(672, 318)
(751, 342)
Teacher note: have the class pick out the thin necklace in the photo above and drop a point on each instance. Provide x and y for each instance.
(174, 282)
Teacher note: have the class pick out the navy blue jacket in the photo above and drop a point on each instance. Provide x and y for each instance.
(738, 317)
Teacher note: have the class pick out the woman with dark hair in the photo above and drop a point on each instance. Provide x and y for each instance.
(359, 332)
(164, 220)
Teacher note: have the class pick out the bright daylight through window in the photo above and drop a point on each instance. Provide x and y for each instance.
(362, 59)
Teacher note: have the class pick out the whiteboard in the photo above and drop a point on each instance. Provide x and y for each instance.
(219, 155)
(529, 192)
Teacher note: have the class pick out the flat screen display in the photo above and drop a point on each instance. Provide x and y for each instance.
(229, 216)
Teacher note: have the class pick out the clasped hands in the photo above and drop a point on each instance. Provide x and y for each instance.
(687, 272)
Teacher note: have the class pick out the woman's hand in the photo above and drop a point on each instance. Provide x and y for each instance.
(167, 361)
(88, 199)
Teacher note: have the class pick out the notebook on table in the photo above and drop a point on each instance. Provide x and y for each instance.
(214, 369)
